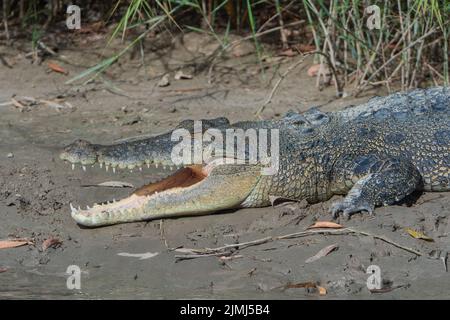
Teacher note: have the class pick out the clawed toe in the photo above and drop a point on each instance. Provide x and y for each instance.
(349, 208)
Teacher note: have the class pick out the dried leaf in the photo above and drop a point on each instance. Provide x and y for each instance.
(301, 285)
(325, 224)
(418, 235)
(322, 290)
(55, 105)
(57, 68)
(116, 184)
(181, 75)
(111, 184)
(313, 70)
(51, 242)
(307, 285)
(322, 253)
(288, 53)
(13, 243)
(141, 256)
(306, 47)
(17, 104)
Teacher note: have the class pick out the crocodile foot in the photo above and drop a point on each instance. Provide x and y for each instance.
(349, 207)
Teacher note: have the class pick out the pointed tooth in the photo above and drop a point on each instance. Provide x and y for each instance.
(107, 167)
(156, 165)
(88, 208)
(171, 168)
(164, 167)
(84, 168)
(72, 209)
(101, 165)
(79, 208)
(73, 166)
(114, 169)
(140, 168)
(148, 165)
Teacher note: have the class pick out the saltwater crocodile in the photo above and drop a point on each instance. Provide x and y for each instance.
(375, 154)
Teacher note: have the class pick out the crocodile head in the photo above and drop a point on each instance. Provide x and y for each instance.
(193, 189)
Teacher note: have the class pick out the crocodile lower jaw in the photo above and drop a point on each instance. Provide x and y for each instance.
(135, 207)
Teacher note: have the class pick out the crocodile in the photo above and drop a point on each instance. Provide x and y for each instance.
(373, 154)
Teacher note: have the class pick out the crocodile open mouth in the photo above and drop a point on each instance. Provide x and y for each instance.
(135, 203)
(192, 190)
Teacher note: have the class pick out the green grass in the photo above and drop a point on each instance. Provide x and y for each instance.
(410, 49)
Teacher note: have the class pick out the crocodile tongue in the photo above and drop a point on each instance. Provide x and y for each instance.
(193, 190)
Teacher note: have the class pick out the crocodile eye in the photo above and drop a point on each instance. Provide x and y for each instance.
(307, 130)
(319, 116)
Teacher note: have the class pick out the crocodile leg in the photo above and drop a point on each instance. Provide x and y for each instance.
(191, 191)
(385, 182)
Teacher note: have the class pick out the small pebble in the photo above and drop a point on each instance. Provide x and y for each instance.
(164, 82)
(10, 155)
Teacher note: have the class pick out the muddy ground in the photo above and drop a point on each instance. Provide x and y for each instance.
(36, 188)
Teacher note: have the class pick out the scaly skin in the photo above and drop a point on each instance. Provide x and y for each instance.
(375, 154)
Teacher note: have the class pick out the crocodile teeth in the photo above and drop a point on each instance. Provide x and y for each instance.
(101, 165)
(72, 209)
(140, 168)
(84, 168)
(114, 169)
(156, 165)
(73, 166)
(107, 168)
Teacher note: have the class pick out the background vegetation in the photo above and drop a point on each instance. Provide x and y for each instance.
(410, 49)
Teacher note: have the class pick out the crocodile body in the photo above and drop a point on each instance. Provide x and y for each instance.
(375, 154)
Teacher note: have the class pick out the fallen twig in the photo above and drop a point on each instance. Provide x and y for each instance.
(220, 250)
(195, 256)
(23, 102)
(388, 289)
